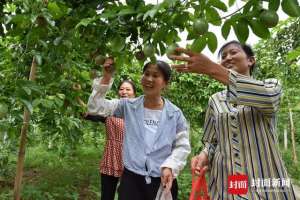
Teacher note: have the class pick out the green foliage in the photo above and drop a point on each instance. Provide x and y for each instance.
(50, 176)
(65, 37)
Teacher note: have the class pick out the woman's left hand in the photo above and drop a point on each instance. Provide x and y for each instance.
(201, 64)
(195, 62)
(167, 178)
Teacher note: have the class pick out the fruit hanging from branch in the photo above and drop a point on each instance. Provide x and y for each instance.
(140, 55)
(149, 50)
(200, 26)
(171, 50)
(269, 18)
(99, 60)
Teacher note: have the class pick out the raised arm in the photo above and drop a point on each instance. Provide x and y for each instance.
(243, 89)
(97, 103)
(263, 95)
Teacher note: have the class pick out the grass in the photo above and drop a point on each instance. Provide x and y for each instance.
(47, 176)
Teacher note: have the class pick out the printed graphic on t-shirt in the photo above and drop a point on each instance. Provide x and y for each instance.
(151, 123)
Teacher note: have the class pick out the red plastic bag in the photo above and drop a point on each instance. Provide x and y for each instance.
(199, 188)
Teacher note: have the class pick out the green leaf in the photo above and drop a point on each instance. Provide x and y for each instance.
(213, 16)
(85, 22)
(117, 43)
(259, 29)
(162, 48)
(241, 30)
(57, 40)
(151, 13)
(291, 7)
(61, 96)
(212, 41)
(274, 5)
(21, 20)
(231, 2)
(160, 34)
(43, 43)
(226, 28)
(38, 59)
(171, 37)
(180, 19)
(57, 10)
(108, 15)
(27, 90)
(27, 104)
(218, 4)
(127, 11)
(191, 34)
(47, 103)
(10, 8)
(36, 102)
(249, 5)
(170, 3)
(199, 44)
(292, 55)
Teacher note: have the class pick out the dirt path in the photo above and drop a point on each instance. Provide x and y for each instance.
(297, 191)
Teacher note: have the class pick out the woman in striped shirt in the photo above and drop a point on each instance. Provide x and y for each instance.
(240, 128)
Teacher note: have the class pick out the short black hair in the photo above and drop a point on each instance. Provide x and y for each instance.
(245, 47)
(130, 82)
(163, 67)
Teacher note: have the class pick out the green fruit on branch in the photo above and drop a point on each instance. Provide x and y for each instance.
(269, 18)
(3, 110)
(140, 55)
(148, 50)
(200, 26)
(41, 21)
(171, 50)
(99, 60)
(76, 87)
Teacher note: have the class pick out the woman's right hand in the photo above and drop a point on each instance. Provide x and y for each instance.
(108, 70)
(108, 65)
(199, 163)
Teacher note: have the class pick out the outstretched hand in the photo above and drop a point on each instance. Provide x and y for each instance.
(199, 63)
(194, 62)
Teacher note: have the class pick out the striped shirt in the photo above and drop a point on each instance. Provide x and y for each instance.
(240, 138)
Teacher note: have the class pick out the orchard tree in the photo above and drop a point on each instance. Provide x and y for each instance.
(65, 41)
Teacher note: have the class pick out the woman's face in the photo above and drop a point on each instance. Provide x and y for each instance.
(234, 57)
(153, 81)
(126, 91)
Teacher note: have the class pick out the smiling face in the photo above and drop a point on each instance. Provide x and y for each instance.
(126, 90)
(234, 57)
(153, 81)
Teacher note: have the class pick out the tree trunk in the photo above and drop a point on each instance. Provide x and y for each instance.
(293, 135)
(285, 139)
(21, 156)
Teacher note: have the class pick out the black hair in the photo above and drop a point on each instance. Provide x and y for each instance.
(130, 82)
(163, 67)
(245, 47)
